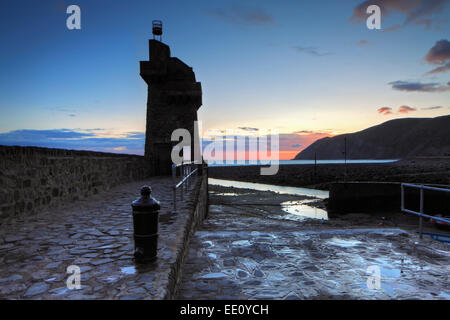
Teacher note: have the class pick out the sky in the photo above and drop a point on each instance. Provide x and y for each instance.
(308, 69)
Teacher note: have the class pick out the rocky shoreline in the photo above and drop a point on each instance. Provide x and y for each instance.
(432, 170)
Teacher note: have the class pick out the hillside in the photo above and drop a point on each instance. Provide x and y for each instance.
(394, 139)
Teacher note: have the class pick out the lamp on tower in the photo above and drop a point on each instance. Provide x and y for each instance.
(157, 29)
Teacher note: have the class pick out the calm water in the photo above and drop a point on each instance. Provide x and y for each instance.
(297, 162)
(321, 194)
(296, 210)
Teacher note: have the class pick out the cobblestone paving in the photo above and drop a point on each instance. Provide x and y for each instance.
(96, 235)
(244, 252)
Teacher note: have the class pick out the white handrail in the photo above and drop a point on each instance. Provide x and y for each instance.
(186, 172)
(421, 186)
(421, 214)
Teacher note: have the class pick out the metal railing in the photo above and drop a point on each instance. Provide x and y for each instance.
(421, 214)
(187, 169)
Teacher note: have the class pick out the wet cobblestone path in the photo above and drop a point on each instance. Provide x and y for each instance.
(95, 234)
(247, 250)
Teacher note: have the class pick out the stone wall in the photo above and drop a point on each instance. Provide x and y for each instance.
(33, 178)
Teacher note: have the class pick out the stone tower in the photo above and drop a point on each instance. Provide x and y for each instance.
(174, 97)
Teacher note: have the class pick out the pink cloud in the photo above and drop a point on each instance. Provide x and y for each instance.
(402, 109)
(439, 69)
(385, 110)
(417, 12)
(293, 143)
(362, 43)
(406, 109)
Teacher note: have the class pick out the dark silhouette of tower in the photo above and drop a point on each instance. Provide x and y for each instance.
(174, 97)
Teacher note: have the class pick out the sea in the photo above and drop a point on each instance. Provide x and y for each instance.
(296, 162)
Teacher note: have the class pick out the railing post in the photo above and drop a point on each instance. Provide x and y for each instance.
(188, 182)
(189, 179)
(185, 175)
(421, 212)
(182, 177)
(174, 182)
(403, 197)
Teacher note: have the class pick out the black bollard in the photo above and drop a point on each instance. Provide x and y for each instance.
(145, 225)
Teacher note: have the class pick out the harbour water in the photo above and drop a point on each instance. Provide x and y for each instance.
(295, 162)
(321, 194)
(295, 210)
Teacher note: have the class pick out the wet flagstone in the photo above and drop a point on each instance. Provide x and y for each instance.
(97, 235)
(241, 252)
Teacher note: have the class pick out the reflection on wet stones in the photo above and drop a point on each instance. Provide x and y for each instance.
(298, 260)
(242, 274)
(35, 289)
(96, 235)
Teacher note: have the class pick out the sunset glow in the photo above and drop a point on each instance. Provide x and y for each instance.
(282, 68)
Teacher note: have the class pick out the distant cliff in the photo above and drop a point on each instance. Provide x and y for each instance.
(392, 139)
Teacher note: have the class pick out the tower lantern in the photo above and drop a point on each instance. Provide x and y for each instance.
(157, 29)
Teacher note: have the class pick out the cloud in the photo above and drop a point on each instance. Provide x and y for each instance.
(418, 86)
(439, 55)
(299, 140)
(432, 108)
(38, 135)
(132, 142)
(303, 132)
(309, 132)
(312, 51)
(439, 69)
(248, 129)
(362, 43)
(385, 110)
(135, 135)
(393, 28)
(425, 22)
(71, 112)
(406, 109)
(289, 143)
(62, 109)
(293, 143)
(402, 109)
(241, 15)
(417, 12)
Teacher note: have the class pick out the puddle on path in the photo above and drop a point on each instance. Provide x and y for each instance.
(230, 194)
(344, 243)
(241, 243)
(300, 210)
(128, 270)
(214, 275)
